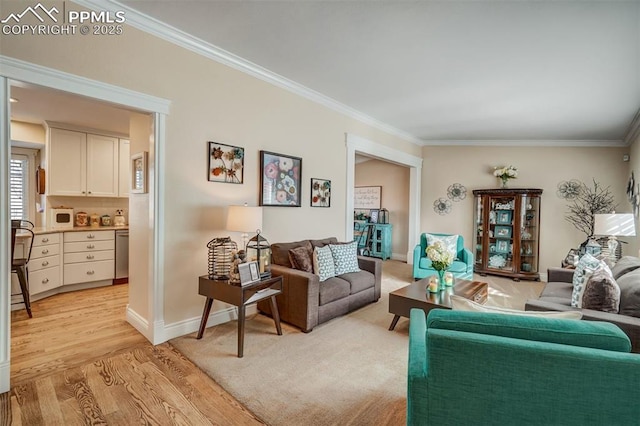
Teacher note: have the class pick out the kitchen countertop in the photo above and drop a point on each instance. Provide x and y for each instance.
(41, 230)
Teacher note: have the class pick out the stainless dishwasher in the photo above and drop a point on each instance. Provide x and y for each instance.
(122, 255)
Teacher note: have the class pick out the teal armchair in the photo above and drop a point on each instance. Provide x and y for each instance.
(470, 368)
(462, 267)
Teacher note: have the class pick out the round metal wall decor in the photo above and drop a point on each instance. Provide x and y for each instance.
(457, 192)
(442, 206)
(569, 189)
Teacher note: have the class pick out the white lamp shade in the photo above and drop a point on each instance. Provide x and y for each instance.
(244, 218)
(617, 224)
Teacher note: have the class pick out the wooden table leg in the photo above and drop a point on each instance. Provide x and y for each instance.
(241, 331)
(276, 315)
(394, 321)
(205, 317)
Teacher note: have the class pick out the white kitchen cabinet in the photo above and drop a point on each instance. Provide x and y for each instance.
(82, 164)
(124, 169)
(45, 266)
(88, 256)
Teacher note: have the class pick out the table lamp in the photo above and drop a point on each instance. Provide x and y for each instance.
(244, 219)
(614, 225)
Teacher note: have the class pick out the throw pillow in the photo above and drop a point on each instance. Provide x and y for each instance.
(629, 285)
(459, 303)
(450, 242)
(300, 258)
(601, 292)
(345, 257)
(323, 263)
(586, 266)
(624, 265)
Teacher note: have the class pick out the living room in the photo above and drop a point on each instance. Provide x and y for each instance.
(214, 98)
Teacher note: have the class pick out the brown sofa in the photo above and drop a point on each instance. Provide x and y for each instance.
(556, 296)
(306, 302)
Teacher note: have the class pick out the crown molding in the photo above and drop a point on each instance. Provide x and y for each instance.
(633, 132)
(180, 38)
(533, 142)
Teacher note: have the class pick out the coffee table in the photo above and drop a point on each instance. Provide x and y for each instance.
(404, 299)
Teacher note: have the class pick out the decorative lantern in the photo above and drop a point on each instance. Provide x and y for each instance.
(221, 251)
(384, 216)
(258, 249)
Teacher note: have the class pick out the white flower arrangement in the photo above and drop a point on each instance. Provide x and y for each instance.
(440, 257)
(506, 172)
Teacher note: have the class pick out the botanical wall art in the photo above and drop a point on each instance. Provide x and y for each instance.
(280, 179)
(226, 163)
(569, 189)
(457, 192)
(442, 206)
(320, 193)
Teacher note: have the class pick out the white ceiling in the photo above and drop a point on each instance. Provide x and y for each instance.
(443, 70)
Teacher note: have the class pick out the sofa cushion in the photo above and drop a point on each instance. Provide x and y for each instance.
(601, 293)
(629, 285)
(359, 280)
(333, 289)
(587, 265)
(323, 242)
(459, 303)
(450, 242)
(301, 258)
(624, 265)
(456, 266)
(280, 252)
(345, 257)
(323, 265)
(557, 292)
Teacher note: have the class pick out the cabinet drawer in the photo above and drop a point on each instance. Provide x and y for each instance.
(44, 262)
(89, 257)
(89, 236)
(45, 239)
(88, 271)
(88, 246)
(44, 279)
(44, 251)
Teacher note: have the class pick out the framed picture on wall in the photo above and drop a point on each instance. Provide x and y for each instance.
(139, 173)
(320, 192)
(226, 163)
(280, 178)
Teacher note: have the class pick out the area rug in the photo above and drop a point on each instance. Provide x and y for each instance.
(349, 371)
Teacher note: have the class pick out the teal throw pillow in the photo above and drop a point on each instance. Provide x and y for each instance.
(323, 263)
(345, 257)
(586, 266)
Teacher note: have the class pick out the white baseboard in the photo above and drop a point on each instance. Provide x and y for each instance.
(139, 323)
(5, 374)
(181, 328)
(398, 256)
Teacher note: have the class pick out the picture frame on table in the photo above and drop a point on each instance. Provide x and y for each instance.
(504, 217)
(226, 163)
(249, 273)
(502, 231)
(374, 214)
(280, 180)
(139, 173)
(502, 246)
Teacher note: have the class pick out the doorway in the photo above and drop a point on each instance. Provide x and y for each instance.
(20, 71)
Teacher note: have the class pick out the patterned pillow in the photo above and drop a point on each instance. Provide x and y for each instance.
(345, 257)
(450, 242)
(323, 263)
(300, 258)
(601, 292)
(586, 266)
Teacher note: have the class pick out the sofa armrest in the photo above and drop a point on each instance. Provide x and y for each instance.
(417, 380)
(467, 257)
(417, 254)
(562, 275)
(373, 265)
(300, 297)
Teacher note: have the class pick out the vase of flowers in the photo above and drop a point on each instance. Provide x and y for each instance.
(441, 259)
(505, 173)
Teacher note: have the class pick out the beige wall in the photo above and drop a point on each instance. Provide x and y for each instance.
(212, 102)
(542, 167)
(27, 132)
(394, 180)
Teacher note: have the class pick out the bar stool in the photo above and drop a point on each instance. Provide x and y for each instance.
(19, 264)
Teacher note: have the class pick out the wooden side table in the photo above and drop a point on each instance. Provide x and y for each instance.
(241, 297)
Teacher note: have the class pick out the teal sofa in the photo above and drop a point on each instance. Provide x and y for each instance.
(462, 267)
(470, 368)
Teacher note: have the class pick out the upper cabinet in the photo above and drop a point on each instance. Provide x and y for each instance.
(83, 164)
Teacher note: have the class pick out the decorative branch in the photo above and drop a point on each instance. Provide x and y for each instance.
(588, 202)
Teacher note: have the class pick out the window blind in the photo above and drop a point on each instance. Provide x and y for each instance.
(18, 203)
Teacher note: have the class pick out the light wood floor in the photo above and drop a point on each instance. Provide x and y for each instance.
(77, 361)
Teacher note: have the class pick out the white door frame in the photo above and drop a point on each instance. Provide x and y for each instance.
(357, 144)
(13, 69)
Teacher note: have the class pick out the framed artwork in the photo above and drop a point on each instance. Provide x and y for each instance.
(226, 163)
(139, 173)
(373, 215)
(502, 246)
(280, 180)
(367, 197)
(504, 217)
(320, 193)
(502, 232)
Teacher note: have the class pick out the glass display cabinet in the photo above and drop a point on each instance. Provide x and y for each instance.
(507, 232)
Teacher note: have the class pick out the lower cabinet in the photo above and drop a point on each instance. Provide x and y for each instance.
(45, 265)
(88, 256)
